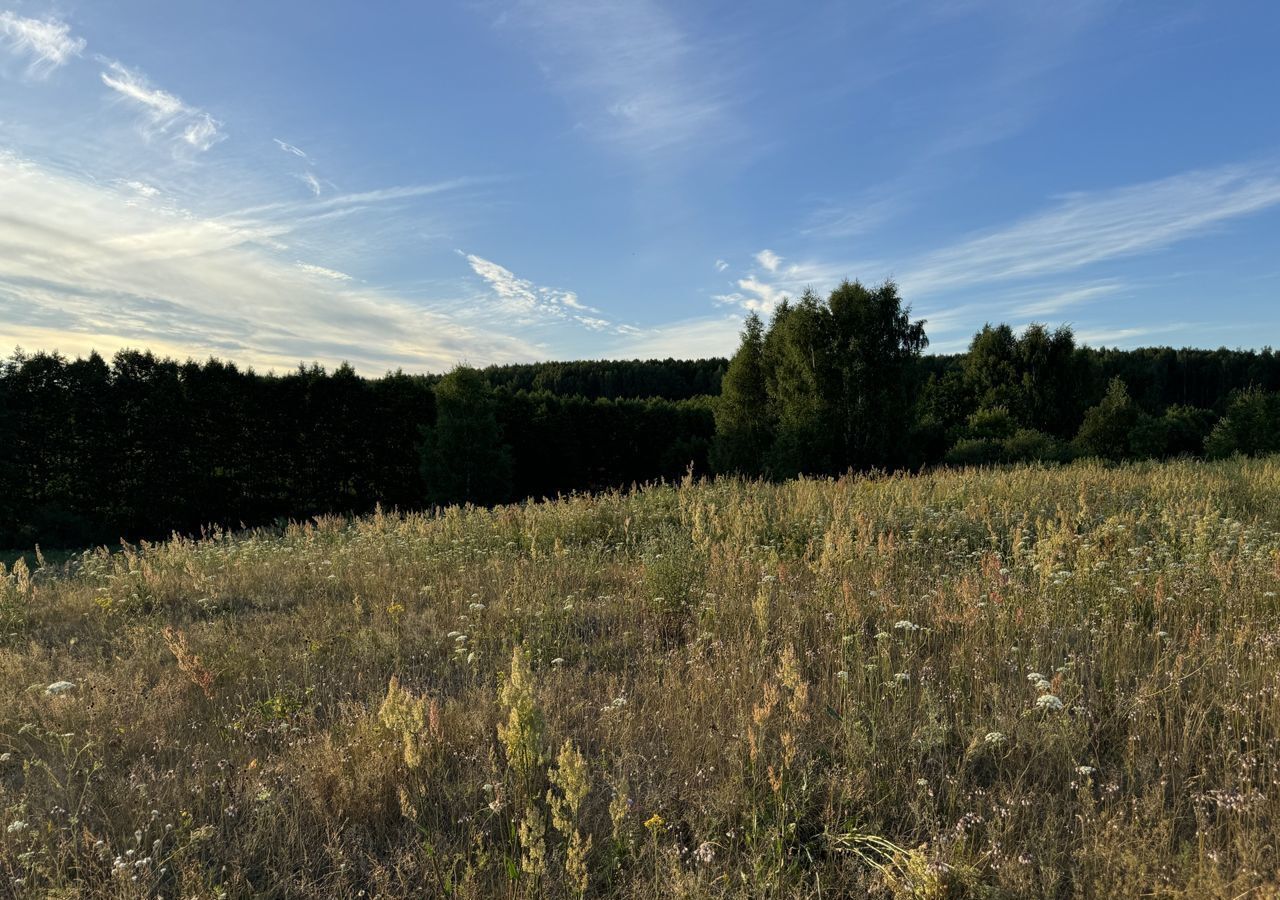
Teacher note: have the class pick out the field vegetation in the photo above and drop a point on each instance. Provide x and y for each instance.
(1022, 682)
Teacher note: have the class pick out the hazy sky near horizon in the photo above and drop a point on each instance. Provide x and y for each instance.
(412, 185)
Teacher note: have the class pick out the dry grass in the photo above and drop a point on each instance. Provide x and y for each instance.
(816, 689)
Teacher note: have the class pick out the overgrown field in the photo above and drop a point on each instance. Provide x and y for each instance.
(1023, 683)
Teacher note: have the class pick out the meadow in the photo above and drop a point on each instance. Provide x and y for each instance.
(1020, 682)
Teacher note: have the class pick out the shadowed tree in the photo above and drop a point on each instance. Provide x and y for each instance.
(1107, 427)
(744, 430)
(463, 457)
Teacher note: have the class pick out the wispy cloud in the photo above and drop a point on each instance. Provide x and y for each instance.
(331, 274)
(166, 113)
(769, 260)
(84, 265)
(689, 339)
(630, 72)
(1054, 302)
(290, 148)
(312, 183)
(529, 303)
(832, 220)
(1087, 228)
(762, 289)
(721, 265)
(48, 43)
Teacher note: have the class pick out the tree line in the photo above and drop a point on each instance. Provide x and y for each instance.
(93, 451)
(838, 383)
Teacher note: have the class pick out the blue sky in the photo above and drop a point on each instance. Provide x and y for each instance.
(419, 184)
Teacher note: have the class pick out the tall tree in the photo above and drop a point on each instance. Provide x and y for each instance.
(463, 456)
(1107, 427)
(744, 429)
(875, 347)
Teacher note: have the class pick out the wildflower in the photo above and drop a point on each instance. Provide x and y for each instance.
(1085, 770)
(905, 625)
(1048, 702)
(558, 661)
(654, 822)
(1043, 685)
(59, 687)
(882, 635)
(902, 677)
(705, 854)
(5, 757)
(993, 739)
(843, 676)
(1035, 676)
(17, 826)
(922, 782)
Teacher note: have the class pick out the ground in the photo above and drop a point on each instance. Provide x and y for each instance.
(1028, 682)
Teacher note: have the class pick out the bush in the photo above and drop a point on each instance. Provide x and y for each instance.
(1186, 428)
(1029, 445)
(975, 452)
(1251, 426)
(1107, 426)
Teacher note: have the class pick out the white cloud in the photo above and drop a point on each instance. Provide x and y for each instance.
(629, 71)
(530, 303)
(690, 339)
(761, 292)
(83, 265)
(721, 265)
(1056, 301)
(331, 274)
(166, 112)
(311, 182)
(769, 260)
(290, 148)
(1087, 228)
(47, 42)
(203, 133)
(831, 221)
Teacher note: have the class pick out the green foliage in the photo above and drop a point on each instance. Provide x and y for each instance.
(1251, 426)
(1186, 428)
(992, 423)
(828, 386)
(463, 456)
(1035, 377)
(1107, 427)
(1029, 445)
(744, 429)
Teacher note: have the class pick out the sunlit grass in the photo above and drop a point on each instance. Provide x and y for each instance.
(1019, 683)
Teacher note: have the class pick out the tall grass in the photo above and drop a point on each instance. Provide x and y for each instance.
(1019, 683)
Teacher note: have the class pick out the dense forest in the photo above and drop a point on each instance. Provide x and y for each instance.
(93, 451)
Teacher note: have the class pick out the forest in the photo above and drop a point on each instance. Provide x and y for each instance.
(139, 447)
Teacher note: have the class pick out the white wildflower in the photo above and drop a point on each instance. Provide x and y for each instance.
(60, 687)
(1048, 702)
(994, 739)
(705, 854)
